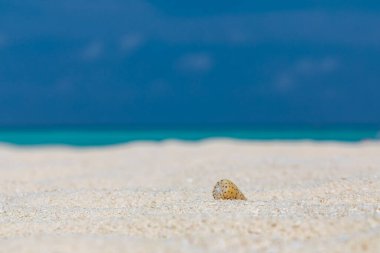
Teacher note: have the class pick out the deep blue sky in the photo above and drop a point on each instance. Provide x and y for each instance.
(142, 62)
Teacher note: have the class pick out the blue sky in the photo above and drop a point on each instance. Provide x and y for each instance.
(155, 62)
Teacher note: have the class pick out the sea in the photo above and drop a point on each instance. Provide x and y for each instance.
(106, 136)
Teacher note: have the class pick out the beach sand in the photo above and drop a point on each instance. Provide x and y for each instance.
(157, 197)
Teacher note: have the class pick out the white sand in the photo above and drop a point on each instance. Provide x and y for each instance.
(156, 197)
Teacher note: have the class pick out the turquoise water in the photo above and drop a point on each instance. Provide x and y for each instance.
(90, 137)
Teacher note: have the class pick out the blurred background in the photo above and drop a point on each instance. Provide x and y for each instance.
(125, 70)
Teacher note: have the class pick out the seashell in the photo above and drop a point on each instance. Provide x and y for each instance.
(226, 189)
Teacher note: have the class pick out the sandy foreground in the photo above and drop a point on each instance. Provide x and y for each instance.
(156, 197)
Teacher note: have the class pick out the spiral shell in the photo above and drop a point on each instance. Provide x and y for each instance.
(226, 189)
